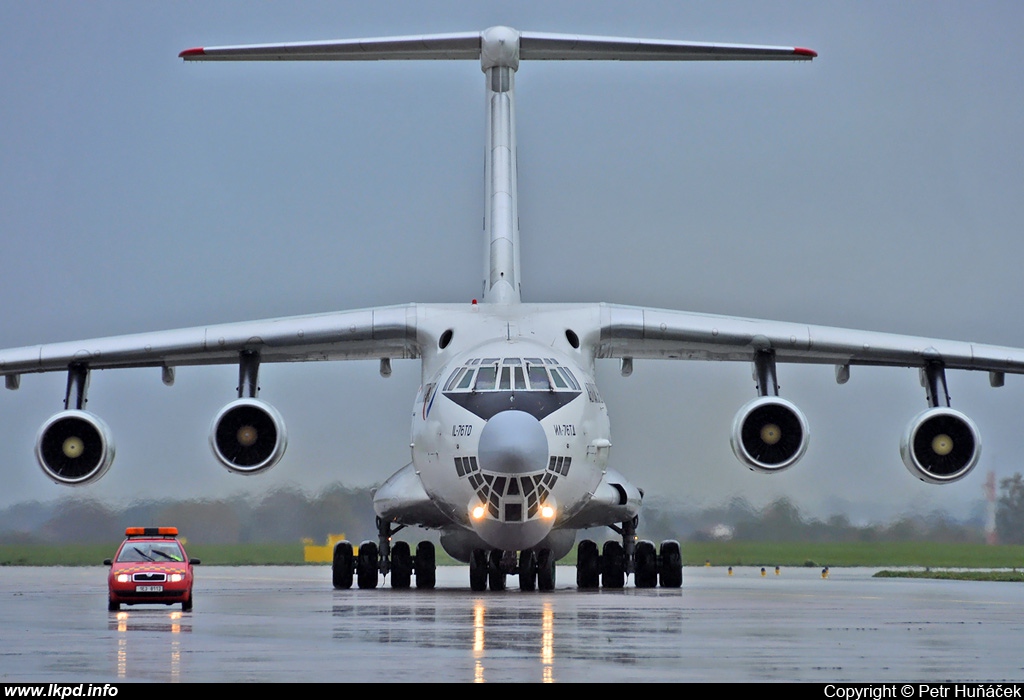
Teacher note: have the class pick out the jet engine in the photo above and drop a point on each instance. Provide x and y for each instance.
(769, 434)
(74, 447)
(940, 446)
(248, 436)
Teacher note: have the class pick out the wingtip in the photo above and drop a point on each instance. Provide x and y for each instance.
(810, 53)
(189, 53)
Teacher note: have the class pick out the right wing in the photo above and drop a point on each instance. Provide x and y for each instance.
(76, 447)
(382, 332)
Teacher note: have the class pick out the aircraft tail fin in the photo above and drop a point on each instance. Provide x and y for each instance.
(499, 50)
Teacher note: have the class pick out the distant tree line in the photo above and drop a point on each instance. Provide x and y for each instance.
(1010, 510)
(782, 521)
(289, 515)
(286, 515)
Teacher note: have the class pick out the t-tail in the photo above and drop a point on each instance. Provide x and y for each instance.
(499, 50)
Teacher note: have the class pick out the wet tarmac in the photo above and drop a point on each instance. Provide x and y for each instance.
(286, 624)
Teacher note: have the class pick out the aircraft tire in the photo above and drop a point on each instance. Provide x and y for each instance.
(646, 570)
(426, 568)
(341, 565)
(527, 570)
(478, 570)
(401, 565)
(545, 570)
(671, 573)
(495, 576)
(366, 565)
(613, 565)
(588, 567)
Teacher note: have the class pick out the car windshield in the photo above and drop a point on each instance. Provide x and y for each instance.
(151, 551)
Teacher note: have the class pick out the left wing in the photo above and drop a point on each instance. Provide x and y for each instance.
(940, 445)
(633, 331)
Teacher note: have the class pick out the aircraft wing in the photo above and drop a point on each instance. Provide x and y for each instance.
(637, 332)
(382, 332)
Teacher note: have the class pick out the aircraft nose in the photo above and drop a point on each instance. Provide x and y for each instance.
(513, 442)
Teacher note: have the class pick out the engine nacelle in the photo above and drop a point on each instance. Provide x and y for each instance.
(248, 436)
(769, 434)
(940, 446)
(74, 447)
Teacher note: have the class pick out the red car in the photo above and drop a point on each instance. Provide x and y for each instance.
(151, 566)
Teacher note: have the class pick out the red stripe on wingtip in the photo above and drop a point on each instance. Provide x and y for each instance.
(198, 51)
(805, 52)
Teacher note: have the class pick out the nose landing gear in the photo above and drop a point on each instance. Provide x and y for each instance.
(535, 569)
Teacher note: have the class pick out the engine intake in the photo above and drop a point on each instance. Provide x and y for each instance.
(248, 436)
(74, 447)
(940, 446)
(769, 434)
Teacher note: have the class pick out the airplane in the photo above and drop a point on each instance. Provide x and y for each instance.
(510, 440)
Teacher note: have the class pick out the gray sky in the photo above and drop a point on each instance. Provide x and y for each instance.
(879, 187)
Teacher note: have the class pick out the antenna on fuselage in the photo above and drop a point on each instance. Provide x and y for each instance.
(499, 50)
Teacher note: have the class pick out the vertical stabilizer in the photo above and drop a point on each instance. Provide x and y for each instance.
(499, 50)
(499, 59)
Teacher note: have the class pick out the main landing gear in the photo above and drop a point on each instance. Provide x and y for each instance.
(373, 560)
(609, 568)
(489, 568)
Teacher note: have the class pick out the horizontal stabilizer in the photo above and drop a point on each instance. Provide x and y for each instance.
(468, 45)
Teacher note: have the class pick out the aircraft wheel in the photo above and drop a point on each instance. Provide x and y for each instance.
(366, 565)
(341, 565)
(478, 570)
(613, 565)
(426, 568)
(588, 568)
(527, 570)
(671, 565)
(495, 576)
(112, 606)
(646, 574)
(545, 570)
(401, 565)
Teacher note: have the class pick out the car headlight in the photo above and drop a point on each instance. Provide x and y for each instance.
(122, 578)
(175, 578)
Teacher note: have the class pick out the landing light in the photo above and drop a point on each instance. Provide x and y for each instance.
(547, 512)
(478, 512)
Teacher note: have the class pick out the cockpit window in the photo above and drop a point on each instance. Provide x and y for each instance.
(556, 376)
(455, 377)
(485, 378)
(467, 380)
(538, 377)
(520, 379)
(512, 374)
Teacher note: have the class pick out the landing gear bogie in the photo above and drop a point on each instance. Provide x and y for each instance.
(610, 568)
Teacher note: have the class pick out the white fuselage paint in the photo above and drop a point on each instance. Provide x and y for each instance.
(511, 423)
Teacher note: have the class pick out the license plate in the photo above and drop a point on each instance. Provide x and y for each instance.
(149, 589)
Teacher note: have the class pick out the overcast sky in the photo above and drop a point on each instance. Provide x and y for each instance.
(878, 187)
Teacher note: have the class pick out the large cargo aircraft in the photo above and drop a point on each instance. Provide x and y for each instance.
(510, 435)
